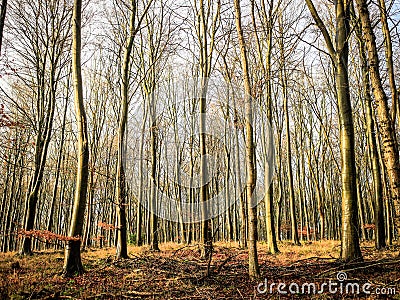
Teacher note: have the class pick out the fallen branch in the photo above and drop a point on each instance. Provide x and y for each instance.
(144, 294)
(184, 247)
(372, 265)
(310, 258)
(164, 279)
(363, 267)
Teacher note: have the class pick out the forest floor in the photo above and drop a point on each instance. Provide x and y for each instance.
(177, 272)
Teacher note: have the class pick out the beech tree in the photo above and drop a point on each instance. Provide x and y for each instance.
(386, 124)
(73, 263)
(267, 15)
(207, 22)
(350, 247)
(45, 56)
(135, 23)
(254, 269)
(372, 142)
(284, 82)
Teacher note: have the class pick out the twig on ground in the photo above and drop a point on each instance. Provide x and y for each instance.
(310, 258)
(363, 266)
(184, 247)
(144, 294)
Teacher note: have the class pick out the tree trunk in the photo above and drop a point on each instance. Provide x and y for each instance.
(269, 195)
(386, 129)
(350, 248)
(378, 200)
(350, 245)
(73, 263)
(41, 151)
(205, 64)
(389, 61)
(120, 186)
(153, 179)
(139, 213)
(238, 173)
(254, 270)
(283, 80)
(361, 210)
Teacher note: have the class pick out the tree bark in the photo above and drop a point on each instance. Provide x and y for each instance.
(73, 263)
(350, 245)
(378, 200)
(120, 187)
(269, 193)
(386, 129)
(254, 269)
(389, 61)
(206, 44)
(283, 80)
(153, 180)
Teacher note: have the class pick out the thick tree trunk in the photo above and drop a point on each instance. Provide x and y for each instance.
(378, 201)
(73, 263)
(350, 248)
(386, 129)
(350, 245)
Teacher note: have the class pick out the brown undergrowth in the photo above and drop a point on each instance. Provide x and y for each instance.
(177, 272)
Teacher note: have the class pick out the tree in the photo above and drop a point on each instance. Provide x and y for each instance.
(386, 124)
(254, 269)
(120, 191)
(284, 82)
(73, 263)
(155, 40)
(120, 186)
(267, 20)
(49, 44)
(372, 142)
(206, 44)
(350, 247)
